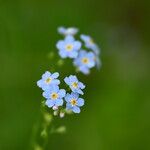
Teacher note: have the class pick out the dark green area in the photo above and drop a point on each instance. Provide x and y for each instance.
(117, 110)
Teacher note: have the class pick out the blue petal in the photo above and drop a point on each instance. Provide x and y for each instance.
(85, 38)
(63, 53)
(46, 94)
(84, 69)
(53, 88)
(55, 75)
(77, 45)
(73, 54)
(73, 78)
(71, 31)
(90, 55)
(76, 62)
(98, 63)
(61, 30)
(81, 85)
(60, 44)
(74, 95)
(68, 106)
(82, 53)
(96, 50)
(91, 64)
(67, 80)
(80, 91)
(62, 93)
(40, 83)
(56, 88)
(69, 38)
(55, 82)
(49, 103)
(80, 102)
(59, 102)
(67, 97)
(46, 75)
(76, 109)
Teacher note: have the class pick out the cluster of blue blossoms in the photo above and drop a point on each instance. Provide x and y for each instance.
(83, 58)
(59, 99)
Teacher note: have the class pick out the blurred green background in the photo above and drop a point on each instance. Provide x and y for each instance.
(116, 114)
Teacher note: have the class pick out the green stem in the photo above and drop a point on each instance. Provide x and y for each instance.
(41, 132)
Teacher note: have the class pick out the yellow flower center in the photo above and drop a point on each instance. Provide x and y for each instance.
(69, 47)
(75, 84)
(73, 102)
(54, 96)
(85, 60)
(91, 41)
(48, 80)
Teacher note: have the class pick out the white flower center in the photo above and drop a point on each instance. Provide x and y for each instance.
(69, 47)
(48, 80)
(73, 102)
(54, 96)
(75, 84)
(85, 60)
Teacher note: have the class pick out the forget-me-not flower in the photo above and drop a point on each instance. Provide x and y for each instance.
(85, 61)
(97, 61)
(68, 47)
(67, 31)
(89, 43)
(74, 102)
(54, 96)
(48, 79)
(75, 85)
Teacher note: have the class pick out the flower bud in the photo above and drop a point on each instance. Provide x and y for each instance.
(62, 114)
(55, 113)
(55, 107)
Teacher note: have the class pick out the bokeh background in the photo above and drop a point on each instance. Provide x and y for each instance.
(116, 114)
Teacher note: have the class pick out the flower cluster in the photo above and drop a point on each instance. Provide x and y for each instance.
(60, 100)
(85, 53)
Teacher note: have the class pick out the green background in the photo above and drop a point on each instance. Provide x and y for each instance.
(117, 110)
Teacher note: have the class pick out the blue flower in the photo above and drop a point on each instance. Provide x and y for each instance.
(68, 47)
(89, 43)
(74, 84)
(54, 96)
(67, 31)
(48, 79)
(74, 102)
(98, 62)
(85, 61)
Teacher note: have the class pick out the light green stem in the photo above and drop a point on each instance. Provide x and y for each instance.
(41, 132)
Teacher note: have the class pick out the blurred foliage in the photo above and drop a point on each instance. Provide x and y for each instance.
(116, 114)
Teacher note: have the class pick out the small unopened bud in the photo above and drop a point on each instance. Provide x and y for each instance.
(44, 133)
(55, 107)
(60, 62)
(51, 55)
(62, 114)
(47, 117)
(37, 147)
(55, 113)
(68, 111)
(61, 129)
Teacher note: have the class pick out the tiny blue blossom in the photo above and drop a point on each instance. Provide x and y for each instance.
(67, 31)
(68, 47)
(54, 96)
(74, 102)
(75, 85)
(85, 61)
(89, 43)
(98, 62)
(48, 79)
